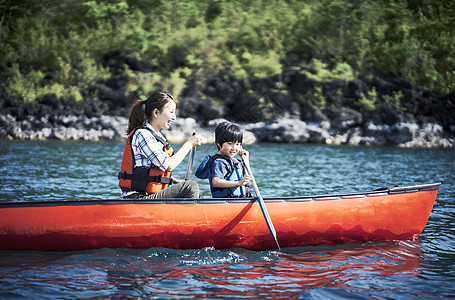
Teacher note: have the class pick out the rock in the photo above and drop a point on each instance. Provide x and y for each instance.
(116, 61)
(356, 89)
(207, 109)
(290, 131)
(343, 118)
(384, 87)
(403, 132)
(310, 113)
(297, 81)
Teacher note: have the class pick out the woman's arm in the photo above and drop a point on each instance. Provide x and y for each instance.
(179, 156)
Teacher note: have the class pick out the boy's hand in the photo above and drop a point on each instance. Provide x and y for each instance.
(244, 152)
(245, 180)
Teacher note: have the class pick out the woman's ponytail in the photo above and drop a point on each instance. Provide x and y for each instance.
(136, 115)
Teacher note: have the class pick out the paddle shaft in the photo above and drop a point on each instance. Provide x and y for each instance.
(190, 162)
(261, 202)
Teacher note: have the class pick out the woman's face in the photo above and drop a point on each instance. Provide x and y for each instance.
(164, 118)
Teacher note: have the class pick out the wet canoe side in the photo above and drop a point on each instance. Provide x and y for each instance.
(352, 218)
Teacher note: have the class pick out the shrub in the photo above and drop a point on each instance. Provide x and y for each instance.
(342, 71)
(370, 102)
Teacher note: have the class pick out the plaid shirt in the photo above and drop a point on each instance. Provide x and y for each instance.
(148, 151)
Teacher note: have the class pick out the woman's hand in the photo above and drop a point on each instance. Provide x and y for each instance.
(195, 140)
(175, 180)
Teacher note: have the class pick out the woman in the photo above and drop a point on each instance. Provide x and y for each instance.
(148, 159)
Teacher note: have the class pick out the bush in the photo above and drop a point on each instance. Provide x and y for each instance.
(322, 72)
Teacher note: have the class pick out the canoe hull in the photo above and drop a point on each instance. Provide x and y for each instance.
(193, 224)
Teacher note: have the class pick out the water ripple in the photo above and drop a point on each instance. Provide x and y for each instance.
(52, 170)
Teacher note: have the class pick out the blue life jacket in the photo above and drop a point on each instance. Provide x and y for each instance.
(235, 173)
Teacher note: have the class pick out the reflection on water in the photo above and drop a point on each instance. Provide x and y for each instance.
(55, 170)
(349, 269)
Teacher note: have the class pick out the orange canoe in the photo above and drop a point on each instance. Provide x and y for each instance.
(398, 213)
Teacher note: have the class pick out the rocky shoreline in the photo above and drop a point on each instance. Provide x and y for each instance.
(286, 130)
(286, 108)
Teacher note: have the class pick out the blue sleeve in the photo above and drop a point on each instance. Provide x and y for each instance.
(219, 168)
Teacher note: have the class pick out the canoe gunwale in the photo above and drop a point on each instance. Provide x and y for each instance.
(374, 193)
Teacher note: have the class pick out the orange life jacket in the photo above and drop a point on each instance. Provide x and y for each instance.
(140, 179)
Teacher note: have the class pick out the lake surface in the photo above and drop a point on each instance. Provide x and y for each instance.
(57, 170)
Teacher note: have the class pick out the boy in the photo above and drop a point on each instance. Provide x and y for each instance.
(226, 174)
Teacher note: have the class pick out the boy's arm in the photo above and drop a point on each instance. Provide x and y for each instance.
(223, 183)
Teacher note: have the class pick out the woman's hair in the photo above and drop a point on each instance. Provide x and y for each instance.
(227, 132)
(142, 110)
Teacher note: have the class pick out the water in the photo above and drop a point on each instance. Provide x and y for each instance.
(55, 170)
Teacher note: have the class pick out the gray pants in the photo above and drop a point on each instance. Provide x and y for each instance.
(184, 189)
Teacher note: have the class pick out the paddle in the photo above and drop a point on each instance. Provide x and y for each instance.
(260, 200)
(190, 162)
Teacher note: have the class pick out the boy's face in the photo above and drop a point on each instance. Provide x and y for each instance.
(230, 148)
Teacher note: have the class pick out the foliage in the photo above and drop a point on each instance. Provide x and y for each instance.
(322, 72)
(30, 88)
(374, 102)
(66, 41)
(392, 101)
(371, 101)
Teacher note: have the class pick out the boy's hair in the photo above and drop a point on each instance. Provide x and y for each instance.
(227, 132)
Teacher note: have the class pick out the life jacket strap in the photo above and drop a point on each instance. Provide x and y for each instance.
(147, 178)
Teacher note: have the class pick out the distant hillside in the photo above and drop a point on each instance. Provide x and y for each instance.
(71, 49)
